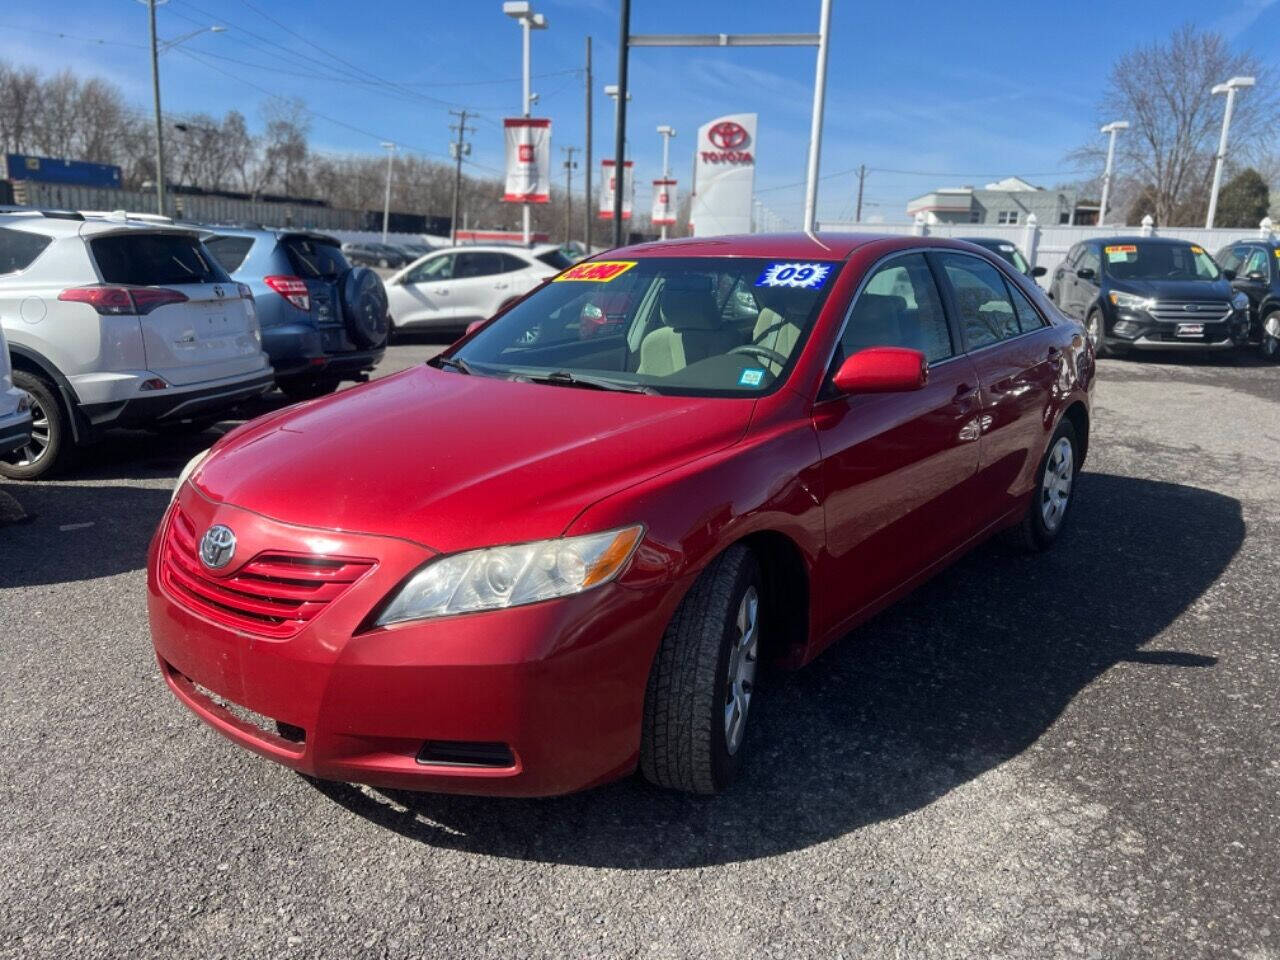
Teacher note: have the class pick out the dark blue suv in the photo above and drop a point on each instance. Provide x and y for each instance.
(323, 321)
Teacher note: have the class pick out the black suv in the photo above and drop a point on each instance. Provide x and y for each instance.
(323, 321)
(1256, 265)
(1149, 293)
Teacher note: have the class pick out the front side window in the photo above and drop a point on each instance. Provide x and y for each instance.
(154, 259)
(1158, 261)
(710, 326)
(898, 307)
(19, 249)
(477, 264)
(1089, 260)
(429, 271)
(1256, 265)
(982, 300)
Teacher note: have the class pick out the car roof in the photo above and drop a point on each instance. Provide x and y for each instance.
(265, 233)
(780, 246)
(1270, 242)
(89, 226)
(1165, 241)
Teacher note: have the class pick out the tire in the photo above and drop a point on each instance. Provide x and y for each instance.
(298, 390)
(51, 446)
(1096, 328)
(1271, 336)
(364, 307)
(692, 737)
(1040, 528)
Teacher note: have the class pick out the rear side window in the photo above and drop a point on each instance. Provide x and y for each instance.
(510, 262)
(556, 259)
(314, 259)
(230, 252)
(982, 300)
(151, 259)
(19, 249)
(478, 264)
(1028, 316)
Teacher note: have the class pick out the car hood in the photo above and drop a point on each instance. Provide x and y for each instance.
(453, 461)
(1176, 289)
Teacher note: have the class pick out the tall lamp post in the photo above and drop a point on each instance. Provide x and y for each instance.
(1229, 88)
(390, 147)
(666, 132)
(522, 12)
(158, 47)
(1112, 129)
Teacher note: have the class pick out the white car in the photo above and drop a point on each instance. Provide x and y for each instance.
(116, 322)
(15, 408)
(449, 289)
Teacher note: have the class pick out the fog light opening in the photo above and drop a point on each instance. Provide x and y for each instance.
(466, 753)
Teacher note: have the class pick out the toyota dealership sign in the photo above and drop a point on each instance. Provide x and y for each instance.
(724, 175)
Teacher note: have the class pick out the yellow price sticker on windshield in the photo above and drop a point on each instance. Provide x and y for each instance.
(597, 271)
(1121, 248)
(1197, 250)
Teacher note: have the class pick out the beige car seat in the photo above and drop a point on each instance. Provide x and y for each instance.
(692, 333)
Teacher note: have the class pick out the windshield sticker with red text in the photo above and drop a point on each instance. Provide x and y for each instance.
(598, 271)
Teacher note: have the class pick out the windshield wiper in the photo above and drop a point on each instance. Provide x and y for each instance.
(567, 379)
(457, 363)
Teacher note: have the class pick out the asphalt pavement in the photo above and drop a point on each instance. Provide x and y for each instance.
(1070, 755)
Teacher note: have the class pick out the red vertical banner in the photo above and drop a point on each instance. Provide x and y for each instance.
(528, 160)
(664, 203)
(609, 184)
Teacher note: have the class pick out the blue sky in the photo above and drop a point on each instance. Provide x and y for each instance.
(945, 92)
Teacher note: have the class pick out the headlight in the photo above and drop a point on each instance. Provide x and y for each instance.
(186, 472)
(1240, 301)
(499, 577)
(1128, 301)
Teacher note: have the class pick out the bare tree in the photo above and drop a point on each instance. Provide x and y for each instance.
(1164, 91)
(285, 145)
(19, 102)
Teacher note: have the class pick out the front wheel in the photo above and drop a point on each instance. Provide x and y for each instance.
(1095, 327)
(703, 679)
(1271, 336)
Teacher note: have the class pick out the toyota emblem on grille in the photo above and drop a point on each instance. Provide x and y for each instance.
(217, 547)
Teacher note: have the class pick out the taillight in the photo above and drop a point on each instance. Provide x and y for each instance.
(293, 289)
(114, 301)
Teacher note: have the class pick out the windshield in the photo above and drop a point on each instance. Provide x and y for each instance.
(1158, 261)
(687, 325)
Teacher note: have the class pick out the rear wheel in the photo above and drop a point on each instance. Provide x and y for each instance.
(1051, 500)
(703, 679)
(51, 444)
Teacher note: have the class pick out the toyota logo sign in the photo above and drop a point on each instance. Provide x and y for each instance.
(727, 135)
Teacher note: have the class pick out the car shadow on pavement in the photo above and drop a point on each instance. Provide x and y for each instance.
(962, 675)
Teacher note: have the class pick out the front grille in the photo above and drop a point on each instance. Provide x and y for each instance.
(275, 594)
(1191, 311)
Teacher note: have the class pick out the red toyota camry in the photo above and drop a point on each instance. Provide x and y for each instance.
(544, 559)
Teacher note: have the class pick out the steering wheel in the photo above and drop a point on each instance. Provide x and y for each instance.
(754, 349)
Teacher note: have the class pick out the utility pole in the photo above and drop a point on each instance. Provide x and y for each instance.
(569, 166)
(155, 90)
(620, 125)
(586, 170)
(862, 175)
(459, 148)
(390, 147)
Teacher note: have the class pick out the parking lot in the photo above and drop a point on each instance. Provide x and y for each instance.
(1072, 755)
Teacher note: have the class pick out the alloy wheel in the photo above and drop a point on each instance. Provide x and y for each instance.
(742, 669)
(1055, 486)
(1094, 330)
(38, 445)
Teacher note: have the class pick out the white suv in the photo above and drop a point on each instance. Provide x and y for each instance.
(15, 408)
(450, 289)
(114, 322)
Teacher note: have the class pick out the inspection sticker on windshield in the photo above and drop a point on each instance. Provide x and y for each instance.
(1120, 251)
(751, 378)
(598, 271)
(810, 276)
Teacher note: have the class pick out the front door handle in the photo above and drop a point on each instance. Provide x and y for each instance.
(1054, 354)
(965, 394)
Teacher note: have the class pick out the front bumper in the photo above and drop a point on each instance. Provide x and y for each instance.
(1141, 331)
(15, 431)
(560, 684)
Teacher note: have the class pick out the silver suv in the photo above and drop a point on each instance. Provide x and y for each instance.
(114, 322)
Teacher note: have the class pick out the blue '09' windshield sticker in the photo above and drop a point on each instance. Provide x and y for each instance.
(808, 276)
(751, 378)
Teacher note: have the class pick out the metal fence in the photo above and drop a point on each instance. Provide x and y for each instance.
(1047, 246)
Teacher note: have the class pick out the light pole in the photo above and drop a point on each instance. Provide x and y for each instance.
(1112, 129)
(1229, 88)
(666, 132)
(158, 47)
(611, 91)
(390, 147)
(522, 12)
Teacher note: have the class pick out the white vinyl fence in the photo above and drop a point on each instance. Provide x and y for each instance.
(1047, 246)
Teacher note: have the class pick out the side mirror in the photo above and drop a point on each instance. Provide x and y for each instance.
(1038, 271)
(1085, 273)
(1256, 275)
(1231, 274)
(882, 370)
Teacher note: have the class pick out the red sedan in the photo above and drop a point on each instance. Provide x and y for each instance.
(542, 560)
